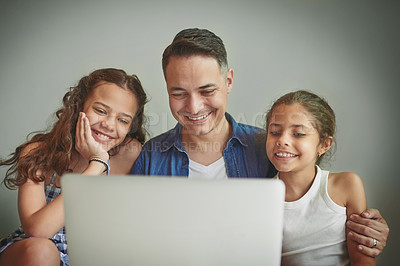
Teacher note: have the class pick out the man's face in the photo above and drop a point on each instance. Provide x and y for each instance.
(198, 93)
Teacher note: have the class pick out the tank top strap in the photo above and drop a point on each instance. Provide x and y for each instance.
(324, 180)
(53, 178)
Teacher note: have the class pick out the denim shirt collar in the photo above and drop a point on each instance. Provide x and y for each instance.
(175, 136)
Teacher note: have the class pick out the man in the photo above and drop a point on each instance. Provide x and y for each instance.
(207, 142)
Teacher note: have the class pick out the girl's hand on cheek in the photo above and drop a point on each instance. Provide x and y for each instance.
(84, 141)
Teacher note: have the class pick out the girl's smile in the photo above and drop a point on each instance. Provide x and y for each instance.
(292, 143)
(110, 110)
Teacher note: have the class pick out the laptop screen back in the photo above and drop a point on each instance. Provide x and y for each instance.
(142, 220)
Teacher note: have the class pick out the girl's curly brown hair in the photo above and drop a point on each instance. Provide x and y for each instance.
(53, 150)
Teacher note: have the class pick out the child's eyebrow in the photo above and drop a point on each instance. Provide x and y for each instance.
(275, 125)
(300, 126)
(104, 105)
(108, 108)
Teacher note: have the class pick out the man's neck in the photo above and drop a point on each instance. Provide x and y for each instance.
(208, 148)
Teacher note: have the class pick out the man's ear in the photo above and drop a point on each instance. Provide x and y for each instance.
(229, 80)
(325, 145)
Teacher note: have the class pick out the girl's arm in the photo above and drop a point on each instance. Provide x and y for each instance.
(45, 220)
(37, 218)
(348, 189)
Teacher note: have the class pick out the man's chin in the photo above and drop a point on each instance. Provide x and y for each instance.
(196, 131)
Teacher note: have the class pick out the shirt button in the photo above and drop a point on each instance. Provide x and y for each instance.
(184, 163)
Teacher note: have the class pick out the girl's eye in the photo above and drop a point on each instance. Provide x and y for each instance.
(299, 134)
(274, 133)
(100, 111)
(123, 121)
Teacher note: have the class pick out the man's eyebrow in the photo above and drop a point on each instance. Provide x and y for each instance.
(175, 89)
(209, 85)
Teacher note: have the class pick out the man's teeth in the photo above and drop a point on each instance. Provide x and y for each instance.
(198, 117)
(285, 154)
(103, 136)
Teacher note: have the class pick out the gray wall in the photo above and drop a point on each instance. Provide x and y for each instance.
(346, 51)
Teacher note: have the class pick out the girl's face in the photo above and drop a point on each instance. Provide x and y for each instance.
(110, 110)
(292, 142)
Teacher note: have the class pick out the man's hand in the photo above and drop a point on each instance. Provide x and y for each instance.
(365, 228)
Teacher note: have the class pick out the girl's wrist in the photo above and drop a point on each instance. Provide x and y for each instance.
(105, 157)
(105, 165)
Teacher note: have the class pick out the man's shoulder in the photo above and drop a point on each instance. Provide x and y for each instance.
(162, 141)
(243, 128)
(250, 133)
(250, 129)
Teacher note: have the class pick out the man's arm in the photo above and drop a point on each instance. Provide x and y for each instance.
(365, 228)
(137, 168)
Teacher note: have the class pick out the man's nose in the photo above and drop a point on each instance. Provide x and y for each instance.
(194, 104)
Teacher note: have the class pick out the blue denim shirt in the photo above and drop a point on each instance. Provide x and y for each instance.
(244, 155)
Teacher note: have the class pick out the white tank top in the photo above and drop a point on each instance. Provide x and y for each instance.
(314, 228)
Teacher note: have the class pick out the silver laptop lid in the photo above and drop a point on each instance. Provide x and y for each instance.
(142, 220)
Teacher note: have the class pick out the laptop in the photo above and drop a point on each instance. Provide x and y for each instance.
(147, 220)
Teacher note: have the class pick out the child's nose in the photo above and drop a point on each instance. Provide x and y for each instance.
(283, 140)
(108, 123)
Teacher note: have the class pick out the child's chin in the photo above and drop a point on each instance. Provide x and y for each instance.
(108, 147)
(283, 169)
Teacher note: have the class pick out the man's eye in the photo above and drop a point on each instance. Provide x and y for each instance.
(208, 92)
(178, 95)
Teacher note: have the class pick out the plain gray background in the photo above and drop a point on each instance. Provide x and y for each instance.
(346, 51)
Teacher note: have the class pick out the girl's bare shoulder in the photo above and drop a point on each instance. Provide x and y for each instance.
(341, 186)
(344, 180)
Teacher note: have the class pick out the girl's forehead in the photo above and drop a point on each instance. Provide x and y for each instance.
(292, 113)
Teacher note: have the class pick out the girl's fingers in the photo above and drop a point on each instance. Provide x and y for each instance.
(79, 133)
(87, 129)
(85, 144)
(82, 128)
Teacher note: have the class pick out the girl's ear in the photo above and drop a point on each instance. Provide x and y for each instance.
(325, 145)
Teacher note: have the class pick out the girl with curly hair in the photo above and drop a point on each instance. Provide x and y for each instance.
(98, 130)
